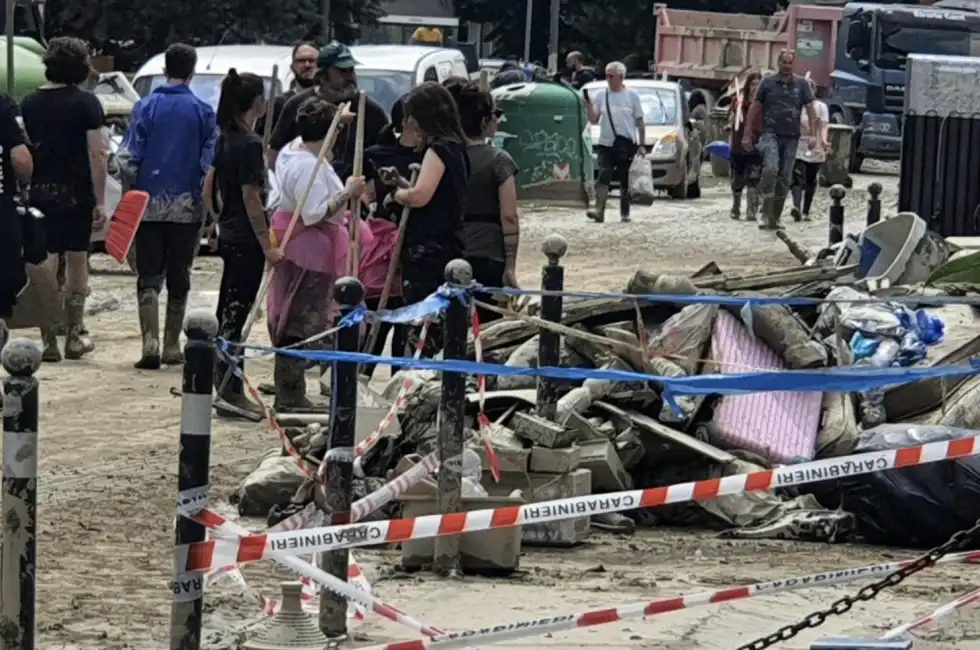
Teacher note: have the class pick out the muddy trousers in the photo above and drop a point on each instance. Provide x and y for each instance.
(612, 168)
(778, 157)
(241, 279)
(165, 252)
(745, 169)
(804, 185)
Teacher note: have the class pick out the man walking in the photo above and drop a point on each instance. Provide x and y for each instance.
(578, 73)
(335, 82)
(619, 113)
(166, 152)
(781, 98)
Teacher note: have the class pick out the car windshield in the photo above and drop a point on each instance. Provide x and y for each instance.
(384, 86)
(896, 41)
(207, 87)
(659, 106)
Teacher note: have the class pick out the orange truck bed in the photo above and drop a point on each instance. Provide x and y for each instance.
(711, 48)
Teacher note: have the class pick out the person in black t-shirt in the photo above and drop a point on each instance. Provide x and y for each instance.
(304, 76)
(434, 235)
(64, 125)
(336, 82)
(16, 166)
(238, 181)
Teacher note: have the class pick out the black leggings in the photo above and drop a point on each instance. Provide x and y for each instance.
(241, 278)
(165, 252)
(804, 184)
(489, 273)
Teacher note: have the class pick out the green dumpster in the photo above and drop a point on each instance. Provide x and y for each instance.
(545, 129)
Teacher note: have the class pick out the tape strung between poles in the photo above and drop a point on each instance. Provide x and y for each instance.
(201, 556)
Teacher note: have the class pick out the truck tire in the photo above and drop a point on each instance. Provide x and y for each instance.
(700, 113)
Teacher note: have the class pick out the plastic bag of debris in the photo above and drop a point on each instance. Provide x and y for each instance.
(641, 181)
(917, 507)
(684, 335)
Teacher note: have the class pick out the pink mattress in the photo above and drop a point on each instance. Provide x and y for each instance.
(782, 427)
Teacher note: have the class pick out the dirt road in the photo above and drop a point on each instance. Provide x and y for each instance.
(109, 443)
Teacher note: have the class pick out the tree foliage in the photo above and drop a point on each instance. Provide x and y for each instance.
(135, 30)
(604, 30)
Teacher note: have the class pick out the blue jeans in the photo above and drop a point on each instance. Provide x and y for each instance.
(778, 156)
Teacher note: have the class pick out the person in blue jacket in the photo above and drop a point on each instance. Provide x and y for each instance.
(166, 152)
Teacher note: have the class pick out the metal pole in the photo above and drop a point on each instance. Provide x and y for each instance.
(336, 497)
(874, 203)
(9, 35)
(553, 32)
(325, 8)
(549, 343)
(193, 466)
(528, 19)
(21, 358)
(835, 215)
(451, 414)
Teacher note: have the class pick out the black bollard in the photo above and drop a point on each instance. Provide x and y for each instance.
(549, 342)
(335, 495)
(874, 203)
(193, 467)
(21, 358)
(452, 410)
(836, 215)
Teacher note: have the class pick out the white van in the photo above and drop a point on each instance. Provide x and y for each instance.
(386, 72)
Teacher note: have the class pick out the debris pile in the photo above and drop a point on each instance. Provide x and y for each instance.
(611, 436)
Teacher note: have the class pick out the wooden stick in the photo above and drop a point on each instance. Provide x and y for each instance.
(269, 103)
(327, 147)
(354, 250)
(393, 265)
(738, 108)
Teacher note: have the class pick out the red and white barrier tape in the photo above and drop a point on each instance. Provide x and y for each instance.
(218, 523)
(379, 431)
(201, 556)
(560, 622)
(966, 600)
(482, 420)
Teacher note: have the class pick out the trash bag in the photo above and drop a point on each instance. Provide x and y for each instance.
(641, 181)
(916, 507)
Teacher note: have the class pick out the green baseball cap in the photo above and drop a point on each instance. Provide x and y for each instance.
(335, 55)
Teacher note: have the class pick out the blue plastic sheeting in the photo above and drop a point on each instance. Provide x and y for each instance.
(845, 379)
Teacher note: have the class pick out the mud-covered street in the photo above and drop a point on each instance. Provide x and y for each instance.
(108, 484)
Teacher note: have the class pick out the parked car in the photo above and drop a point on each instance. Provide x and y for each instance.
(672, 137)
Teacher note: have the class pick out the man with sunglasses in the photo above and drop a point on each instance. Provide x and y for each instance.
(619, 113)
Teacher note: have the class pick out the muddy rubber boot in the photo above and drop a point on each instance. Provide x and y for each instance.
(49, 345)
(149, 313)
(751, 204)
(172, 325)
(290, 379)
(736, 210)
(601, 196)
(766, 223)
(75, 347)
(777, 213)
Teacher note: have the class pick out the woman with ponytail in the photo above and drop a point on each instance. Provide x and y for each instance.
(234, 193)
(491, 226)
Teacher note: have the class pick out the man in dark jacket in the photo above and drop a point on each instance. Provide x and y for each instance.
(510, 72)
(578, 73)
(166, 152)
(335, 82)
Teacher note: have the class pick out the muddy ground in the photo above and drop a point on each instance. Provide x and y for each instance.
(109, 444)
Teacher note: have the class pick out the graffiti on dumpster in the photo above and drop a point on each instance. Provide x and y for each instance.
(551, 154)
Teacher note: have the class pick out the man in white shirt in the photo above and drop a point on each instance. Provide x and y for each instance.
(619, 113)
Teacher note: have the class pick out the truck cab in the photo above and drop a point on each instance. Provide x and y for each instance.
(868, 82)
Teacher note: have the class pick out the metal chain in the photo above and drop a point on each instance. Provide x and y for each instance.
(955, 543)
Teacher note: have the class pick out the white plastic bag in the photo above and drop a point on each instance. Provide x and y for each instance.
(641, 181)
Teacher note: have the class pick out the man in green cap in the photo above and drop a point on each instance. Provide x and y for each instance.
(335, 82)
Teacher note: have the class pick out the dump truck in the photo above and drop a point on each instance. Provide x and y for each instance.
(855, 52)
